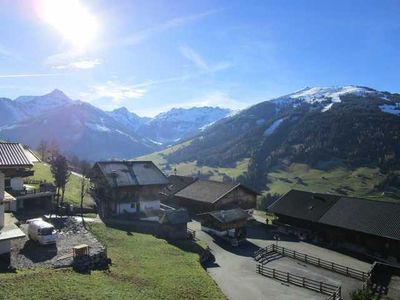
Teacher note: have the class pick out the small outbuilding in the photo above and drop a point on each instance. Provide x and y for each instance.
(174, 224)
(228, 224)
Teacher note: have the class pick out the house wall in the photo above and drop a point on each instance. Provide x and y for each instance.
(17, 183)
(129, 207)
(5, 247)
(149, 205)
(1, 186)
(1, 215)
(239, 197)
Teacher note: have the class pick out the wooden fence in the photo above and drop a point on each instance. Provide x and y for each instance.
(333, 291)
(312, 260)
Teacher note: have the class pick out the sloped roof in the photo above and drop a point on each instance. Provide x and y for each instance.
(13, 155)
(369, 216)
(229, 215)
(175, 217)
(131, 173)
(206, 190)
(177, 183)
(303, 205)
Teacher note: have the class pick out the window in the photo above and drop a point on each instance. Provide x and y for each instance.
(133, 205)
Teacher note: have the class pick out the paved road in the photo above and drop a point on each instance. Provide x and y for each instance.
(235, 269)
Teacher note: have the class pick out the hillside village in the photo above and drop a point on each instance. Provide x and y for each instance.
(346, 246)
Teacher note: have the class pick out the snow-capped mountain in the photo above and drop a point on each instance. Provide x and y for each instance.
(180, 123)
(354, 126)
(91, 133)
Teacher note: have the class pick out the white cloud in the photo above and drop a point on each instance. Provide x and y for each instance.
(28, 75)
(140, 36)
(217, 98)
(116, 92)
(80, 64)
(200, 62)
(6, 53)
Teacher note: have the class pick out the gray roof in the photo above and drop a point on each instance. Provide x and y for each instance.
(369, 216)
(13, 155)
(373, 217)
(177, 183)
(207, 190)
(303, 205)
(175, 217)
(229, 215)
(132, 173)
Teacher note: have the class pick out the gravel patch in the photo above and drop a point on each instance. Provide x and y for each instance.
(26, 253)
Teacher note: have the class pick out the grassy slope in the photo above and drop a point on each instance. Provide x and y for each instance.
(191, 168)
(359, 182)
(144, 267)
(72, 190)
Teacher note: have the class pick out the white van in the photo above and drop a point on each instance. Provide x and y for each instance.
(41, 231)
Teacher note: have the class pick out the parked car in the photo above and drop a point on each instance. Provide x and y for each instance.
(42, 232)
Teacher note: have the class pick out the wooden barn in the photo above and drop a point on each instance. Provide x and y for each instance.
(361, 225)
(174, 224)
(128, 188)
(198, 195)
(228, 224)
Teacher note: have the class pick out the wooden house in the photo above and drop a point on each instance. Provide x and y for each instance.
(128, 188)
(13, 162)
(361, 225)
(228, 224)
(198, 195)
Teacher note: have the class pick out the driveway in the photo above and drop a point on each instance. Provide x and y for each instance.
(234, 269)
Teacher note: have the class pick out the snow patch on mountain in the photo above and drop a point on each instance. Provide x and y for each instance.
(391, 109)
(270, 130)
(330, 95)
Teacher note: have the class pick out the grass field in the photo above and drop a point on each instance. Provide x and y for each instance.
(191, 168)
(144, 267)
(72, 190)
(359, 182)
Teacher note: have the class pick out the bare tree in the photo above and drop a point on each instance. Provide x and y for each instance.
(59, 169)
(42, 148)
(54, 150)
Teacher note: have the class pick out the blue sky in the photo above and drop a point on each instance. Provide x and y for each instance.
(150, 56)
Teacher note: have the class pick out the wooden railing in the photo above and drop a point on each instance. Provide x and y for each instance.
(333, 291)
(316, 261)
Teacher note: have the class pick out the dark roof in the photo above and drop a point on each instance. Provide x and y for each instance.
(131, 173)
(13, 155)
(369, 216)
(228, 216)
(303, 205)
(177, 183)
(208, 191)
(175, 217)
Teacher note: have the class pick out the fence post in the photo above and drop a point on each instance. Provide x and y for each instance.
(288, 277)
(332, 266)
(320, 287)
(304, 282)
(347, 270)
(319, 262)
(294, 254)
(340, 292)
(305, 257)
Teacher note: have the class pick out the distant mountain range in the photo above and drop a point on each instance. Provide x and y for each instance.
(350, 126)
(91, 133)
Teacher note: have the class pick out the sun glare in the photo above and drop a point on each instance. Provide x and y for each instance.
(71, 19)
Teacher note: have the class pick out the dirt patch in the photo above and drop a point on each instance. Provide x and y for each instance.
(26, 253)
